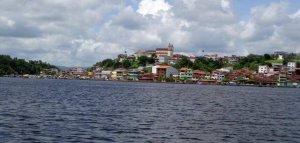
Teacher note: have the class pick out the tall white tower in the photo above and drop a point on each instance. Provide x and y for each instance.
(170, 50)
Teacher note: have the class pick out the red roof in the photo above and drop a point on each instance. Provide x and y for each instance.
(163, 67)
(162, 49)
(200, 72)
(140, 52)
(150, 51)
(184, 69)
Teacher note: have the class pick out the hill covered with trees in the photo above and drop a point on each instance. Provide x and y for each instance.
(251, 61)
(9, 65)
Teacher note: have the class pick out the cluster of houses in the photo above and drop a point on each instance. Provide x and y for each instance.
(277, 75)
(167, 56)
(161, 71)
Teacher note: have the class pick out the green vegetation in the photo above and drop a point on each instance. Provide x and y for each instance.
(10, 65)
(111, 64)
(274, 61)
(251, 62)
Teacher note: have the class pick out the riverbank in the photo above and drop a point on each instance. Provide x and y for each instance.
(162, 82)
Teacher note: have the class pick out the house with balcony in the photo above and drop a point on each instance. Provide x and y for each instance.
(133, 74)
(198, 74)
(277, 67)
(105, 75)
(185, 74)
(119, 74)
(164, 71)
(282, 80)
(216, 75)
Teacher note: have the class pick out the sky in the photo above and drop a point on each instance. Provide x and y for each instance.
(81, 33)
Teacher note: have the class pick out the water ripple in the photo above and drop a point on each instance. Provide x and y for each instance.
(95, 111)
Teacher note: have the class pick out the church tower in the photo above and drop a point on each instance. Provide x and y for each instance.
(170, 50)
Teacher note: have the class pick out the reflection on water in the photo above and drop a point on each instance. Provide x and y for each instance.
(98, 111)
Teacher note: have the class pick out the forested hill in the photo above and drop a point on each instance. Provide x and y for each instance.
(9, 65)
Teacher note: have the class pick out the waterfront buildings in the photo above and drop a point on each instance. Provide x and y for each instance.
(164, 71)
(185, 74)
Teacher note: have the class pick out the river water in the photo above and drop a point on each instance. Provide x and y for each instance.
(35, 110)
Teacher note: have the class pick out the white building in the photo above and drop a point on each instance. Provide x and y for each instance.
(218, 76)
(162, 52)
(164, 71)
(213, 57)
(226, 70)
(291, 64)
(280, 57)
(291, 67)
(163, 59)
(264, 69)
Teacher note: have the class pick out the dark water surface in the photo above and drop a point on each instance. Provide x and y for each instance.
(33, 110)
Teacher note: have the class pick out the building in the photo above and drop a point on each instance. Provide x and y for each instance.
(197, 74)
(216, 75)
(277, 67)
(122, 57)
(133, 74)
(291, 66)
(193, 58)
(150, 53)
(186, 74)
(76, 71)
(106, 75)
(226, 70)
(282, 80)
(233, 59)
(163, 59)
(139, 53)
(164, 71)
(119, 74)
(50, 71)
(264, 69)
(146, 76)
(280, 57)
(161, 52)
(213, 57)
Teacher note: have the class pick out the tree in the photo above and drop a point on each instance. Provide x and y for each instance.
(126, 64)
(151, 60)
(267, 57)
(185, 62)
(20, 66)
(147, 70)
(143, 60)
(107, 63)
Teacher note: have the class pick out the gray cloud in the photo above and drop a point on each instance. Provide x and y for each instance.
(64, 32)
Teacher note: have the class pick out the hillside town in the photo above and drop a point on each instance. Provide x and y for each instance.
(163, 69)
(164, 65)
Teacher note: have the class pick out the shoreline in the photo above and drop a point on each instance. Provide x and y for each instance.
(157, 82)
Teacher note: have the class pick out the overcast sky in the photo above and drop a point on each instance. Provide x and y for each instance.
(82, 32)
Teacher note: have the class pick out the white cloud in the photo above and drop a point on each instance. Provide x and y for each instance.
(295, 15)
(81, 33)
(153, 7)
(6, 21)
(225, 4)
